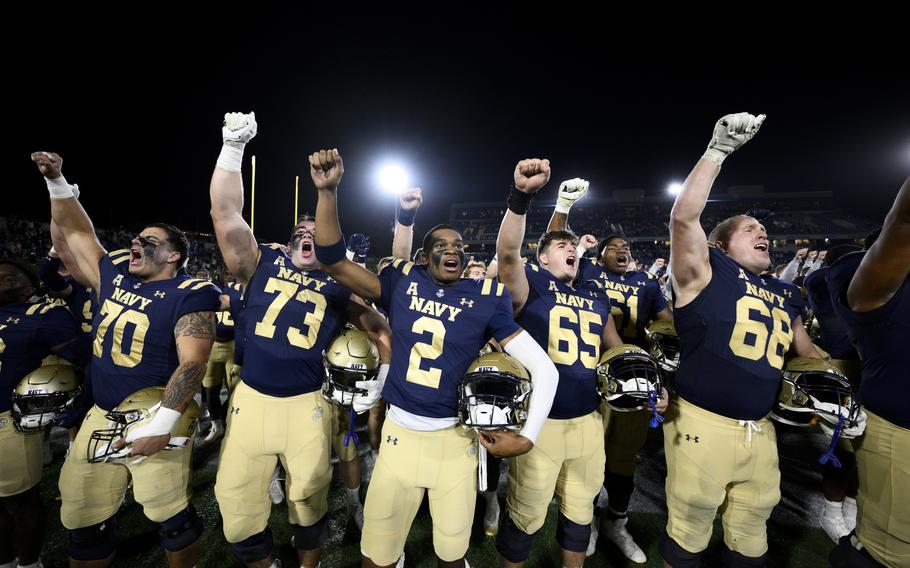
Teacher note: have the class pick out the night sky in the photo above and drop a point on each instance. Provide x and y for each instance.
(136, 114)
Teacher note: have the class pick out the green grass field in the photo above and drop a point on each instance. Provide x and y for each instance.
(792, 544)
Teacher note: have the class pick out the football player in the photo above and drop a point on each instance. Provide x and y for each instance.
(292, 310)
(735, 328)
(440, 321)
(573, 324)
(153, 328)
(28, 333)
(636, 301)
(871, 292)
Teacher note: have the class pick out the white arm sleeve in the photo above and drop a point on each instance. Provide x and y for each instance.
(544, 378)
(791, 271)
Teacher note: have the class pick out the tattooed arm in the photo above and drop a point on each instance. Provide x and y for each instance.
(195, 333)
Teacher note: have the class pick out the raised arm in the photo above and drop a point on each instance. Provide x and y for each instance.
(529, 177)
(326, 169)
(235, 238)
(689, 265)
(408, 203)
(71, 219)
(570, 191)
(886, 265)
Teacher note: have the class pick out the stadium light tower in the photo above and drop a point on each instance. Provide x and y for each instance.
(674, 188)
(392, 177)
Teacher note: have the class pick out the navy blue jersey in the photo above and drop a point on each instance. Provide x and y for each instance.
(290, 316)
(881, 336)
(733, 338)
(636, 298)
(237, 313)
(134, 346)
(437, 331)
(569, 325)
(82, 304)
(27, 333)
(833, 336)
(224, 327)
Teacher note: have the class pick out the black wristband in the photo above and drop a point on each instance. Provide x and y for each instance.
(331, 254)
(406, 217)
(519, 202)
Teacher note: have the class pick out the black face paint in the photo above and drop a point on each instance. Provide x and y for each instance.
(436, 257)
(148, 247)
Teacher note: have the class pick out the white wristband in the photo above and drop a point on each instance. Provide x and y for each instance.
(59, 188)
(715, 156)
(230, 158)
(161, 424)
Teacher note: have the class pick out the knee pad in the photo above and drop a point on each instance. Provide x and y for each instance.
(512, 543)
(254, 548)
(95, 542)
(311, 537)
(735, 559)
(181, 530)
(571, 536)
(675, 555)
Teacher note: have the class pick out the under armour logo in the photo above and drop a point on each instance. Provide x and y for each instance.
(235, 410)
(763, 281)
(12, 320)
(691, 438)
(468, 303)
(742, 274)
(440, 293)
(137, 285)
(159, 294)
(391, 440)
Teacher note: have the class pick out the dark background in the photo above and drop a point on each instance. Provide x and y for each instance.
(135, 108)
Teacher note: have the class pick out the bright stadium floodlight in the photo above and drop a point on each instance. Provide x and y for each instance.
(674, 188)
(392, 177)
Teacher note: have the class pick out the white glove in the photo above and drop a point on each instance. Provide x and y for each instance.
(161, 423)
(731, 132)
(364, 402)
(847, 432)
(570, 191)
(238, 128)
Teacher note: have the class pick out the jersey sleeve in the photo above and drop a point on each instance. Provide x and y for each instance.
(200, 296)
(502, 325)
(110, 266)
(588, 269)
(389, 278)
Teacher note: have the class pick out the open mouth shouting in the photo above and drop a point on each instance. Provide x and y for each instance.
(762, 246)
(622, 260)
(451, 264)
(135, 256)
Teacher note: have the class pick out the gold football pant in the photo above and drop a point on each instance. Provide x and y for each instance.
(20, 458)
(261, 430)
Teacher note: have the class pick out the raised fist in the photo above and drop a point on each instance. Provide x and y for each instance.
(410, 199)
(730, 133)
(49, 164)
(587, 242)
(570, 191)
(326, 169)
(531, 175)
(239, 128)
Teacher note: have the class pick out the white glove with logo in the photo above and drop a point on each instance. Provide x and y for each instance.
(731, 132)
(847, 432)
(238, 129)
(161, 423)
(570, 191)
(364, 402)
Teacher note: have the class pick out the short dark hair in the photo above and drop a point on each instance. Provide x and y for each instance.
(428, 237)
(305, 217)
(725, 229)
(562, 235)
(603, 242)
(177, 239)
(25, 269)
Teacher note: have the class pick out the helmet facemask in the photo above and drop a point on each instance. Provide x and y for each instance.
(492, 400)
